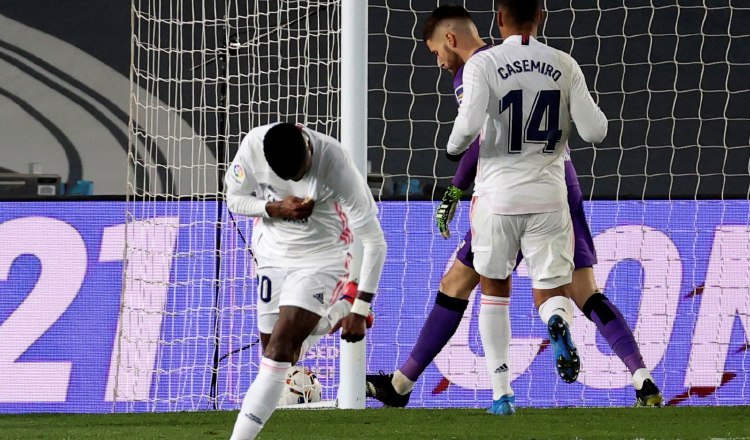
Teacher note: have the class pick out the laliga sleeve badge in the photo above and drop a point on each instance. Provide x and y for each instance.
(237, 173)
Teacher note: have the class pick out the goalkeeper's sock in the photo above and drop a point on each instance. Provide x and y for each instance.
(402, 384)
(640, 376)
(612, 325)
(261, 399)
(494, 328)
(437, 330)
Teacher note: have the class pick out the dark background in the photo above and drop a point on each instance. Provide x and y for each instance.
(678, 107)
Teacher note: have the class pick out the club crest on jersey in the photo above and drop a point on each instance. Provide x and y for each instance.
(237, 173)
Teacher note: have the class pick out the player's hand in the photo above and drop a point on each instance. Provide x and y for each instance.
(291, 207)
(447, 209)
(349, 293)
(353, 327)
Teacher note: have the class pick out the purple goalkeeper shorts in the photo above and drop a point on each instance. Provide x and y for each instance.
(584, 254)
(464, 254)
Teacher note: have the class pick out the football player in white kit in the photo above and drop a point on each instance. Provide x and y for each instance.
(309, 200)
(522, 96)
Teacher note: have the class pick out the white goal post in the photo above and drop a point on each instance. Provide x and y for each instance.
(351, 394)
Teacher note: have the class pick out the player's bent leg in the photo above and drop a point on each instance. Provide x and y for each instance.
(556, 311)
(294, 324)
(459, 281)
(547, 246)
(440, 325)
(612, 325)
(306, 344)
(605, 315)
(264, 338)
(494, 329)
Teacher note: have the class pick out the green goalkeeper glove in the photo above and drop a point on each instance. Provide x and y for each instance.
(447, 209)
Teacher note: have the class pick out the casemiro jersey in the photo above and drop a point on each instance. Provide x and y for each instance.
(523, 94)
(343, 201)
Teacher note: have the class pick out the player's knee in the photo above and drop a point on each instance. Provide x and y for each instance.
(280, 351)
(459, 281)
(456, 288)
(598, 304)
(496, 287)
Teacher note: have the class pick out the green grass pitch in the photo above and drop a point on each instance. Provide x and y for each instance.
(569, 423)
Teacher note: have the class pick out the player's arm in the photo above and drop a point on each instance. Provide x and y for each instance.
(351, 190)
(472, 111)
(374, 250)
(242, 196)
(462, 180)
(590, 121)
(241, 185)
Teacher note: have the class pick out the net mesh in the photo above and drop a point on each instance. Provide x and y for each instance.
(671, 78)
(203, 75)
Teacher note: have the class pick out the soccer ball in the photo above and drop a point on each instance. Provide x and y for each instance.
(302, 386)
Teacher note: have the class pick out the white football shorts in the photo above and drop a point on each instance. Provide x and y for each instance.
(312, 288)
(545, 239)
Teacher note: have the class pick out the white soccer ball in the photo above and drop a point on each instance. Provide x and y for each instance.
(302, 386)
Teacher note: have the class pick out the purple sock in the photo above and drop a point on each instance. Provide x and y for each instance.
(615, 330)
(437, 330)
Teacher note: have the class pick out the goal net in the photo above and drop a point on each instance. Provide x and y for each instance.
(667, 204)
(188, 338)
(667, 194)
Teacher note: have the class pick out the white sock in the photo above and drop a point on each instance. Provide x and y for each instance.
(336, 312)
(401, 383)
(557, 305)
(306, 344)
(640, 376)
(494, 327)
(261, 399)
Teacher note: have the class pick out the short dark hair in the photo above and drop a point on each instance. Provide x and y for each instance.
(521, 11)
(285, 149)
(441, 13)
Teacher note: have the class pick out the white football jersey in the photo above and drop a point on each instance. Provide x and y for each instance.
(522, 95)
(343, 201)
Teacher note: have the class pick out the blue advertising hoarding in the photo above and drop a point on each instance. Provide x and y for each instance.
(678, 270)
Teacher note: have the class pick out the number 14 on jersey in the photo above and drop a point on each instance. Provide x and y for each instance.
(542, 124)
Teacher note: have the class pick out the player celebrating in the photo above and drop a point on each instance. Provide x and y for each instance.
(308, 197)
(452, 51)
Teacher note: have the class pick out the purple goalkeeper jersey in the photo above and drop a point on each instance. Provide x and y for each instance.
(467, 167)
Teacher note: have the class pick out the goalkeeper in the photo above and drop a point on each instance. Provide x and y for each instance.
(452, 37)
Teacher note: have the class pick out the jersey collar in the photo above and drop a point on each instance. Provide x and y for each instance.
(518, 39)
(485, 47)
